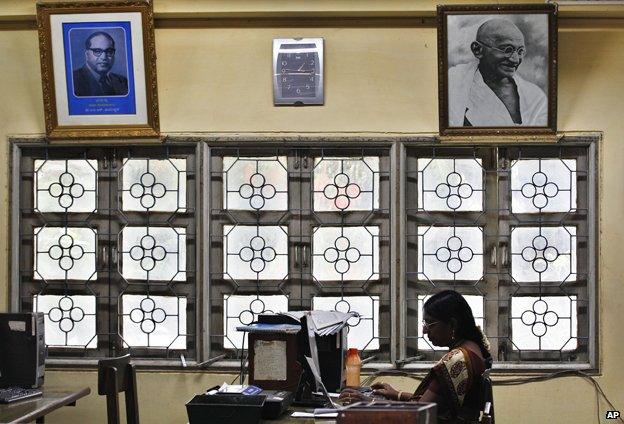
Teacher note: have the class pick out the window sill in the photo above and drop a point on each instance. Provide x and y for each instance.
(233, 366)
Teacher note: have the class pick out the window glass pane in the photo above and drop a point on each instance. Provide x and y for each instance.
(255, 183)
(154, 185)
(243, 310)
(345, 253)
(544, 323)
(450, 253)
(450, 184)
(543, 185)
(153, 253)
(543, 253)
(346, 184)
(69, 320)
(64, 253)
(255, 252)
(363, 330)
(65, 185)
(476, 304)
(154, 321)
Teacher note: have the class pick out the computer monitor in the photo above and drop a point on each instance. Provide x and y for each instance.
(22, 349)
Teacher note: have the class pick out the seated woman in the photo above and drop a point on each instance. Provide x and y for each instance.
(453, 383)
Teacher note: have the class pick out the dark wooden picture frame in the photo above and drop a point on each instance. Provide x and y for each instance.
(525, 100)
(98, 69)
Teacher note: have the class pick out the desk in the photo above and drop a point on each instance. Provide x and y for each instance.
(35, 409)
(287, 419)
(384, 411)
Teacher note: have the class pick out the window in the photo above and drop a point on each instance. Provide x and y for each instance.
(298, 229)
(511, 228)
(123, 251)
(107, 248)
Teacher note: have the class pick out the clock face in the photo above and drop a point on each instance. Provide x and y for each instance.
(298, 74)
(298, 62)
(298, 71)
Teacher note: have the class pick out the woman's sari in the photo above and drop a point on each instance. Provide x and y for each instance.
(457, 380)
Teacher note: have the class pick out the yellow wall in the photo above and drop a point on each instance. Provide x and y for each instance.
(379, 78)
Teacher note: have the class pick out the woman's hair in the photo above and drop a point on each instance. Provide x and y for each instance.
(449, 304)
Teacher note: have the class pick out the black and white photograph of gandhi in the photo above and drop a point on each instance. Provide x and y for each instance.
(94, 56)
(498, 70)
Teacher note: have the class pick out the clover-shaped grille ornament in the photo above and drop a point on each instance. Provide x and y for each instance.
(539, 318)
(454, 190)
(454, 254)
(257, 191)
(540, 254)
(256, 307)
(342, 255)
(539, 190)
(148, 190)
(147, 315)
(344, 306)
(257, 254)
(66, 314)
(66, 252)
(342, 191)
(148, 253)
(66, 190)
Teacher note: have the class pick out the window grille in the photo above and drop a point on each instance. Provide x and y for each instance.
(296, 229)
(510, 228)
(107, 248)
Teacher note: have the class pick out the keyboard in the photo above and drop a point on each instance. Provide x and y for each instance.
(13, 394)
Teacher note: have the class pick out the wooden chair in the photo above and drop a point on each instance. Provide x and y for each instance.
(118, 375)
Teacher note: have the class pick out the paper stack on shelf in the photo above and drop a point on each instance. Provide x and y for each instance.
(325, 322)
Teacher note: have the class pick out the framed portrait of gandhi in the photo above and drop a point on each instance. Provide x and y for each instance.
(98, 68)
(497, 69)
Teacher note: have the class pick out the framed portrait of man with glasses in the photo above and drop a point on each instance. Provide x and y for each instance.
(98, 69)
(497, 69)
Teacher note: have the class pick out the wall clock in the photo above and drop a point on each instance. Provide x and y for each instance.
(298, 71)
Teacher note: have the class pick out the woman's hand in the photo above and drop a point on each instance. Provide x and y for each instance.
(348, 396)
(385, 390)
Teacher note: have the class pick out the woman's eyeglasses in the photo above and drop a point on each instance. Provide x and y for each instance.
(427, 325)
(507, 51)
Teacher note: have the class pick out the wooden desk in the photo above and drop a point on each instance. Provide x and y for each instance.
(34, 409)
(420, 412)
(287, 419)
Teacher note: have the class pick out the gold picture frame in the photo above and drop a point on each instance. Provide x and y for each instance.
(497, 69)
(98, 69)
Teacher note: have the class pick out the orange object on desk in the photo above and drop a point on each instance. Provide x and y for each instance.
(353, 366)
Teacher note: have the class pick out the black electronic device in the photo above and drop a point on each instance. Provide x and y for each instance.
(13, 394)
(330, 351)
(276, 403)
(22, 349)
(331, 355)
(225, 408)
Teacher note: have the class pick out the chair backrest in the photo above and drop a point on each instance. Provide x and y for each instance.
(118, 375)
(488, 395)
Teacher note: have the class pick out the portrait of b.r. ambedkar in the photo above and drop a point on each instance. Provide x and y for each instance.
(95, 76)
(488, 86)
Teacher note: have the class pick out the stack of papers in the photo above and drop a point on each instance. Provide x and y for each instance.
(245, 389)
(315, 414)
(325, 323)
(330, 322)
